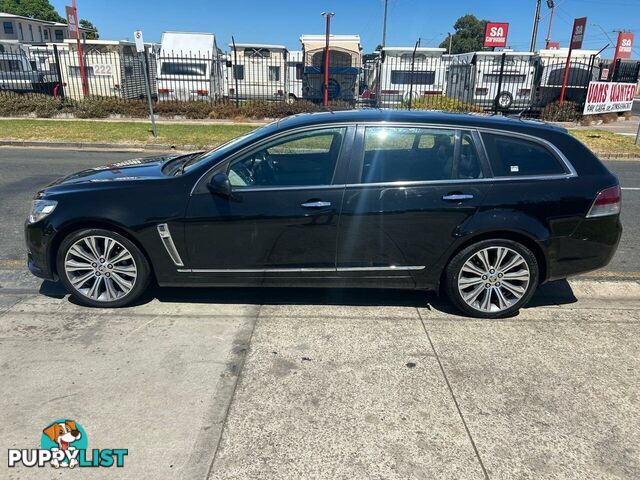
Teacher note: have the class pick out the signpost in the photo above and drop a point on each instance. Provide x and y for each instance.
(495, 34)
(624, 45)
(607, 97)
(577, 36)
(137, 35)
(74, 31)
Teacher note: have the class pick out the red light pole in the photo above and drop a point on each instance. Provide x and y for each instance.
(328, 16)
(74, 30)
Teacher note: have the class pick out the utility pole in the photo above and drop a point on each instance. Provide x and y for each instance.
(552, 6)
(536, 21)
(450, 42)
(328, 16)
(384, 24)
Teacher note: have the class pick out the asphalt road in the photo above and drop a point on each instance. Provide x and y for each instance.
(23, 171)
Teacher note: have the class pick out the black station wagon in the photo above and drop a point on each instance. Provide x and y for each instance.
(481, 208)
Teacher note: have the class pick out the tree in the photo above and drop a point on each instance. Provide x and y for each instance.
(84, 23)
(468, 36)
(40, 9)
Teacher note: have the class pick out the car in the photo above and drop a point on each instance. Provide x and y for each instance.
(481, 208)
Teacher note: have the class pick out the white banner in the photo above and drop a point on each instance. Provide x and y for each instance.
(605, 97)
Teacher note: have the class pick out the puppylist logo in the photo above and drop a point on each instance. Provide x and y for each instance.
(64, 444)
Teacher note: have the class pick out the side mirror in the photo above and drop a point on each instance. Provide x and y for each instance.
(220, 185)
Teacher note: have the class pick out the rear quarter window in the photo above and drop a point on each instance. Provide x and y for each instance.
(512, 157)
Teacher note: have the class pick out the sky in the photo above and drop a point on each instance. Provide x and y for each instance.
(282, 22)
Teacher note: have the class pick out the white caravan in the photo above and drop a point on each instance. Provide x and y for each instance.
(550, 70)
(295, 67)
(258, 71)
(345, 66)
(401, 73)
(112, 68)
(189, 67)
(481, 78)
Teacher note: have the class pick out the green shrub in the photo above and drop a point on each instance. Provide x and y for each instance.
(224, 109)
(567, 112)
(13, 104)
(437, 102)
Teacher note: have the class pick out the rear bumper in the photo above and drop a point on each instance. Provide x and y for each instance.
(590, 247)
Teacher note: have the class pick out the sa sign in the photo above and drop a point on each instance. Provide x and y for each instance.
(495, 34)
(577, 35)
(624, 45)
(137, 35)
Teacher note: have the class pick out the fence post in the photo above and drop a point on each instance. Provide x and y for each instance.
(233, 69)
(413, 63)
(495, 100)
(148, 92)
(56, 55)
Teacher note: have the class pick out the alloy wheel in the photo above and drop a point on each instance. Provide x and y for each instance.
(494, 279)
(100, 268)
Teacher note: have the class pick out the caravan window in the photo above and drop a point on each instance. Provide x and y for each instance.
(238, 72)
(7, 65)
(336, 58)
(257, 52)
(74, 71)
(407, 57)
(274, 74)
(8, 28)
(405, 77)
(506, 78)
(180, 68)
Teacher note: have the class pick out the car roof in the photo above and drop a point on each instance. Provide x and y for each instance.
(417, 116)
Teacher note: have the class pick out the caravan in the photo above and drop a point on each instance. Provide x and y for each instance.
(401, 73)
(295, 67)
(112, 69)
(550, 70)
(189, 67)
(258, 71)
(490, 80)
(345, 65)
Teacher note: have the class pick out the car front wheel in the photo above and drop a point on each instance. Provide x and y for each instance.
(492, 278)
(101, 268)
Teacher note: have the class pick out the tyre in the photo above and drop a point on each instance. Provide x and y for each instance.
(492, 278)
(505, 99)
(101, 268)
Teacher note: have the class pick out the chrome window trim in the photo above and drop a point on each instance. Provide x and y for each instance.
(302, 270)
(167, 241)
(269, 139)
(571, 172)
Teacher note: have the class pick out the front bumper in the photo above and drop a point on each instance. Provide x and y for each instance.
(38, 237)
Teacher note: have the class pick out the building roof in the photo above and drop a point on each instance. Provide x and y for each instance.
(258, 45)
(44, 22)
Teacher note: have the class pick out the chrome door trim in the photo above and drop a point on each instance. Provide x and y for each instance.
(302, 270)
(167, 241)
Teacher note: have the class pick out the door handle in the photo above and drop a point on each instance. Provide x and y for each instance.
(316, 204)
(457, 197)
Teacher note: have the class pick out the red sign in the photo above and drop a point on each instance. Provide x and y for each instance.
(496, 34)
(577, 35)
(553, 45)
(624, 45)
(72, 21)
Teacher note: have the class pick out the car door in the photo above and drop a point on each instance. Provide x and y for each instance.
(282, 214)
(406, 197)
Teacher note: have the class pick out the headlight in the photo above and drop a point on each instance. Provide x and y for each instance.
(41, 209)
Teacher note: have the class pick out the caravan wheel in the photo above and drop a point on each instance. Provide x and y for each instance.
(505, 99)
(291, 99)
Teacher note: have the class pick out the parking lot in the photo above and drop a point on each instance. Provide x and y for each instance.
(283, 383)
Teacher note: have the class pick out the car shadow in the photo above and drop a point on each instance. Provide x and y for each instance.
(549, 294)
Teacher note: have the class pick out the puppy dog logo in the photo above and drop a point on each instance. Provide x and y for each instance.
(59, 436)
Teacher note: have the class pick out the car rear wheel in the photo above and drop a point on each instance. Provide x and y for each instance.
(101, 268)
(492, 278)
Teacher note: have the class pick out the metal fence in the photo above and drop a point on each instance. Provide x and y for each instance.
(510, 82)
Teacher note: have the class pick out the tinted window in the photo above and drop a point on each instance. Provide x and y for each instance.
(302, 159)
(510, 157)
(180, 68)
(407, 154)
(238, 72)
(8, 28)
(10, 65)
(406, 77)
(469, 166)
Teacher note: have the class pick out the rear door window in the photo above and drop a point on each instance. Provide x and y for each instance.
(514, 157)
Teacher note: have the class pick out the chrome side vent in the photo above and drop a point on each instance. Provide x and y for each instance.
(167, 241)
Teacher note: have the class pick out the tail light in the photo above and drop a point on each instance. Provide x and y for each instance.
(482, 91)
(390, 92)
(164, 90)
(201, 93)
(432, 92)
(607, 202)
(524, 91)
